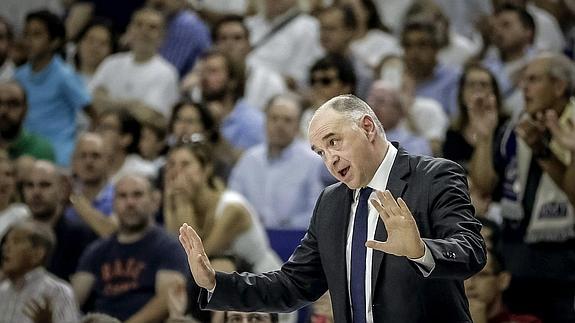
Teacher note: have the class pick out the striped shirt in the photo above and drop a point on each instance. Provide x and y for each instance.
(37, 285)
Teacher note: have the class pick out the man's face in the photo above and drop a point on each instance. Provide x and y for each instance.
(420, 53)
(133, 203)
(91, 162)
(486, 285)
(214, 78)
(344, 146)
(509, 34)
(240, 317)
(146, 31)
(282, 122)
(109, 128)
(334, 35)
(326, 84)
(95, 46)
(4, 43)
(150, 144)
(233, 40)
(538, 87)
(385, 107)
(42, 190)
(37, 39)
(12, 110)
(166, 7)
(16, 253)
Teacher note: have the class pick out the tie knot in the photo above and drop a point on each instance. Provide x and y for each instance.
(364, 193)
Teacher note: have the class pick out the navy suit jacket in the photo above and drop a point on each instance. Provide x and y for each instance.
(436, 192)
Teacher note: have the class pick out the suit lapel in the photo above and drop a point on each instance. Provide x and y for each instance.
(396, 185)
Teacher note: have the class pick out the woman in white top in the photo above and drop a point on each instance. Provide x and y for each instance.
(225, 221)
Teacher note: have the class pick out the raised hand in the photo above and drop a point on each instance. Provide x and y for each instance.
(532, 131)
(565, 136)
(483, 115)
(403, 237)
(39, 311)
(202, 271)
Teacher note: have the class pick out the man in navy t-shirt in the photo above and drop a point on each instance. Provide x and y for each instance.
(128, 271)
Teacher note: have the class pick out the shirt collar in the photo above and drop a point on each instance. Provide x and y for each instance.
(379, 180)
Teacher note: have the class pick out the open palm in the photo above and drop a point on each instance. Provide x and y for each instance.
(403, 237)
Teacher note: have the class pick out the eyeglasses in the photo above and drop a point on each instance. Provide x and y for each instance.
(324, 80)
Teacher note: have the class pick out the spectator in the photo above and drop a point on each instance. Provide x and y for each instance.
(537, 186)
(338, 26)
(330, 76)
(260, 175)
(231, 36)
(129, 273)
(6, 38)
(92, 192)
(237, 317)
(152, 144)
(371, 41)
(478, 96)
(55, 92)
(485, 294)
(140, 76)
(82, 11)
(432, 79)
(96, 42)
(187, 36)
(391, 111)
(222, 88)
(192, 122)
(513, 34)
(30, 293)
(13, 137)
(121, 133)
(284, 40)
(43, 193)
(224, 219)
(10, 210)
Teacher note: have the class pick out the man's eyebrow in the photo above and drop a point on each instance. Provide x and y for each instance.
(331, 134)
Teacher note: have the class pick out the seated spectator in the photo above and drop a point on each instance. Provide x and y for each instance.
(13, 137)
(96, 42)
(390, 110)
(231, 36)
(223, 218)
(10, 210)
(30, 293)
(7, 66)
(43, 190)
(140, 76)
(432, 79)
(152, 144)
(186, 36)
(129, 273)
(121, 132)
(485, 293)
(92, 192)
(222, 85)
(330, 76)
(55, 92)
(193, 122)
(478, 98)
(238, 317)
(281, 202)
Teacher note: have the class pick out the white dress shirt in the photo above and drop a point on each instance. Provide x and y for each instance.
(379, 183)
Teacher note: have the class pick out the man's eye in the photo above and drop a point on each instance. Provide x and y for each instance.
(333, 142)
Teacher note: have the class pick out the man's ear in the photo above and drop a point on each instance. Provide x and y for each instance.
(368, 125)
(560, 88)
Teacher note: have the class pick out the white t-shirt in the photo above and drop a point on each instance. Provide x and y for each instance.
(154, 82)
(12, 214)
(134, 164)
(261, 85)
(374, 46)
(429, 118)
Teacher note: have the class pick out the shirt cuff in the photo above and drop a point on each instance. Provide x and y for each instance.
(426, 263)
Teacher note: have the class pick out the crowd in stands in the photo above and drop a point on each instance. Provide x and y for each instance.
(121, 120)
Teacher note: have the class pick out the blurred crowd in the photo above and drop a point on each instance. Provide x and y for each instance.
(121, 120)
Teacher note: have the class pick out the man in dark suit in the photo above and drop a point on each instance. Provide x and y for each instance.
(420, 247)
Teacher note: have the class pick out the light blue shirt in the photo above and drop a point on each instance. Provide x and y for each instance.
(283, 190)
(55, 95)
(442, 87)
(411, 142)
(244, 126)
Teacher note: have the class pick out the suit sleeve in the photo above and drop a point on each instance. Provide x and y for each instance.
(455, 243)
(300, 281)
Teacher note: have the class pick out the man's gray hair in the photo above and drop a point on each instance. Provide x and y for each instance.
(353, 108)
(560, 67)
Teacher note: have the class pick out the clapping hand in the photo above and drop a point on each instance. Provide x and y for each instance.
(483, 115)
(565, 136)
(202, 271)
(403, 237)
(39, 311)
